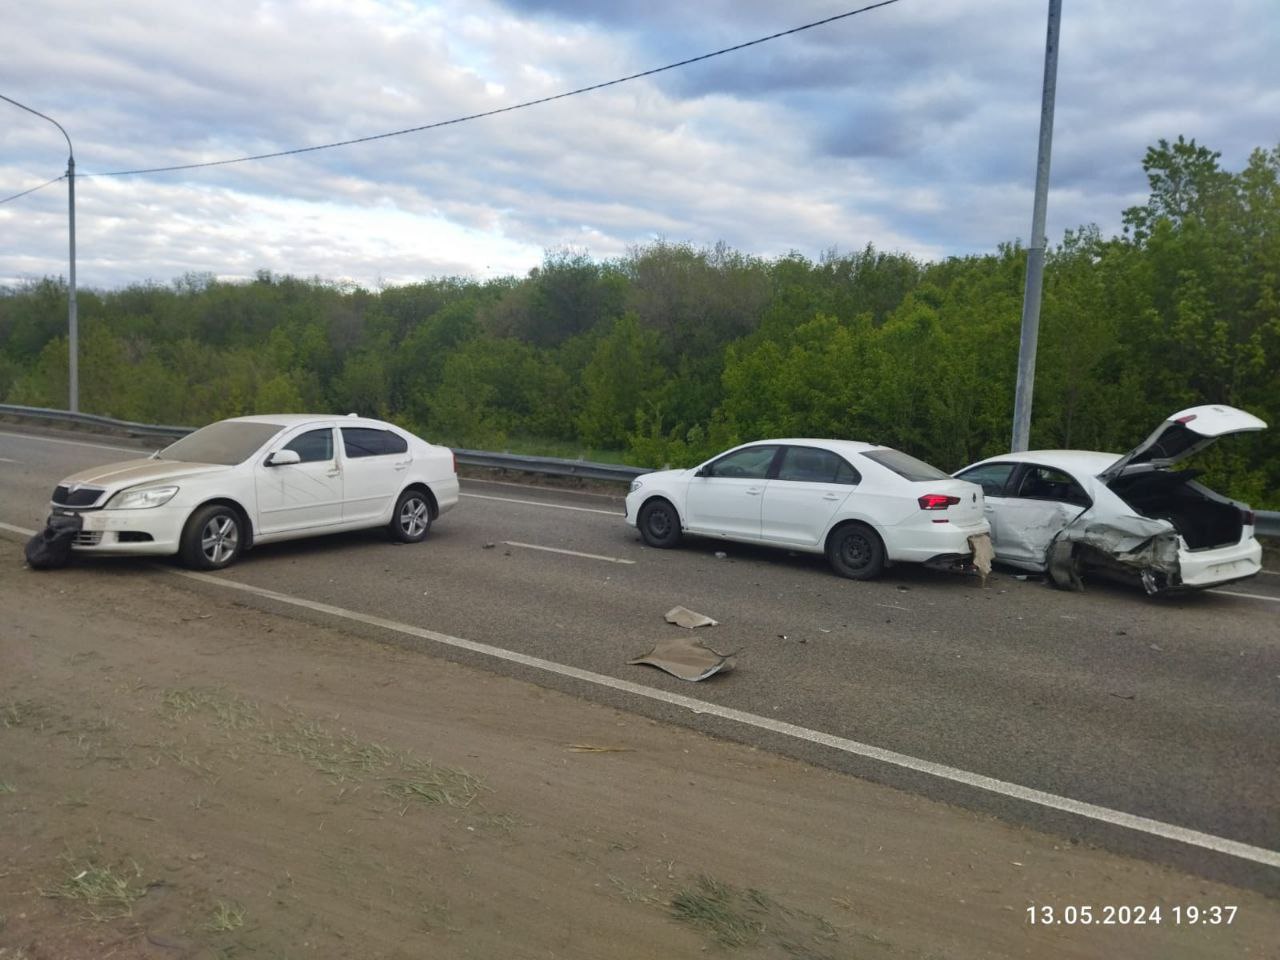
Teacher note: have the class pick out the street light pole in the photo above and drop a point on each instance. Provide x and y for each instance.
(1035, 251)
(73, 331)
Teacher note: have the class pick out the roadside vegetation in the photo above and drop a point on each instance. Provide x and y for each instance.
(671, 353)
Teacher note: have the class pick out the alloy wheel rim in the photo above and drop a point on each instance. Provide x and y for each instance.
(219, 539)
(413, 517)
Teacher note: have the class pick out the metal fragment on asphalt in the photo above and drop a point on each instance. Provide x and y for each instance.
(684, 617)
(686, 659)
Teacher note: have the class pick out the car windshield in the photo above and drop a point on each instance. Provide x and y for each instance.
(227, 442)
(904, 465)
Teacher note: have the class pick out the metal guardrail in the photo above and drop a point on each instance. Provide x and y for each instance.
(1267, 525)
(547, 466)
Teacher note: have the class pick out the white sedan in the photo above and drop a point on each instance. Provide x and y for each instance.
(251, 480)
(862, 505)
(1062, 512)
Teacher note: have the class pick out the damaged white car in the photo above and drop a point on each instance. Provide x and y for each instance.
(1063, 512)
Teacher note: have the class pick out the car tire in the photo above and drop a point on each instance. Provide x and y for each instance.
(659, 523)
(212, 538)
(411, 519)
(856, 551)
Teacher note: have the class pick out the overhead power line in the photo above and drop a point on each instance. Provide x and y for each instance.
(491, 113)
(47, 183)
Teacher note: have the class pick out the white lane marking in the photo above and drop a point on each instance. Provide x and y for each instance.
(1251, 596)
(541, 503)
(1130, 821)
(7, 460)
(571, 553)
(141, 451)
(19, 530)
(1271, 573)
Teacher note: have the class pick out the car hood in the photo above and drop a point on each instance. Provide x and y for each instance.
(117, 476)
(660, 475)
(1183, 434)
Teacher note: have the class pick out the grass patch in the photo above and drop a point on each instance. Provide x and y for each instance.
(227, 710)
(7, 788)
(734, 918)
(106, 893)
(226, 917)
(23, 713)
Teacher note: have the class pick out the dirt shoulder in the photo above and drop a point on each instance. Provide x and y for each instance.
(183, 776)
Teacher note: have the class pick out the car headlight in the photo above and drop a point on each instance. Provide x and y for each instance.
(141, 499)
(635, 485)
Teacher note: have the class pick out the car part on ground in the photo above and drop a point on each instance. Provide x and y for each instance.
(686, 658)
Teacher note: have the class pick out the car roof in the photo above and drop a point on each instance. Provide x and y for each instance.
(839, 446)
(295, 419)
(1090, 462)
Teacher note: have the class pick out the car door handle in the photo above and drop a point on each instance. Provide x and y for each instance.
(832, 496)
(333, 473)
(403, 465)
(754, 491)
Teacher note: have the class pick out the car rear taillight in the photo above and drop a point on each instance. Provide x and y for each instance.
(1248, 518)
(937, 501)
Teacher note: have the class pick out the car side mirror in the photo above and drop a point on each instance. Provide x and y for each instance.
(702, 472)
(282, 458)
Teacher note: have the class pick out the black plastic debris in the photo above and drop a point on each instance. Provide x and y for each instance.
(50, 549)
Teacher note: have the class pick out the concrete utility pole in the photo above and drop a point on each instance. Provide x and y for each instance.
(73, 332)
(1035, 250)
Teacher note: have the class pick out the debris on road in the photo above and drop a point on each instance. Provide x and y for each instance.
(489, 546)
(686, 659)
(684, 617)
(721, 555)
(983, 554)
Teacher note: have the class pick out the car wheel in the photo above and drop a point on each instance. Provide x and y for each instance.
(855, 551)
(411, 519)
(659, 523)
(212, 538)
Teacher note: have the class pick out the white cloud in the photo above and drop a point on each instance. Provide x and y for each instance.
(913, 127)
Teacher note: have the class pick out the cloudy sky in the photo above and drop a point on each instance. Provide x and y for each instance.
(912, 127)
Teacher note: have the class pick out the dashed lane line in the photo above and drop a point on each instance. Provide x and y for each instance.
(571, 553)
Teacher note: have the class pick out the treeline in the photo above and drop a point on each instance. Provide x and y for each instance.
(671, 353)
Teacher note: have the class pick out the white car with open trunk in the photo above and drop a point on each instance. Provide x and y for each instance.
(253, 480)
(1063, 512)
(861, 504)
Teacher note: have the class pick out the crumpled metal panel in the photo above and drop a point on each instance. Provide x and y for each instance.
(1143, 545)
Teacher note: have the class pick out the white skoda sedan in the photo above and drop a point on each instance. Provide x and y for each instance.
(862, 505)
(251, 480)
(1065, 512)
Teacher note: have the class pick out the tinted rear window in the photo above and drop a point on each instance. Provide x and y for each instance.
(904, 465)
(227, 442)
(366, 442)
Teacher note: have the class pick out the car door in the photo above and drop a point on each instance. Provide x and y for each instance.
(994, 480)
(725, 496)
(810, 485)
(298, 496)
(375, 463)
(1040, 501)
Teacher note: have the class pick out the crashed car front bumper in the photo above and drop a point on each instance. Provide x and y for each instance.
(153, 532)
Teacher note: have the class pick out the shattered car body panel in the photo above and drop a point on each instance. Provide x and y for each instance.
(1063, 512)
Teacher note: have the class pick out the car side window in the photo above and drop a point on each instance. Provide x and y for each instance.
(992, 477)
(314, 446)
(749, 464)
(811, 465)
(367, 442)
(1047, 483)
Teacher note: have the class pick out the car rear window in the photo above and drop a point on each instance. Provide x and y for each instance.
(227, 442)
(904, 465)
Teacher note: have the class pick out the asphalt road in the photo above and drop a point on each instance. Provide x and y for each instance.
(1166, 709)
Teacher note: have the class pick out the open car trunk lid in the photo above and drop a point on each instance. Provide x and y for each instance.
(1183, 434)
